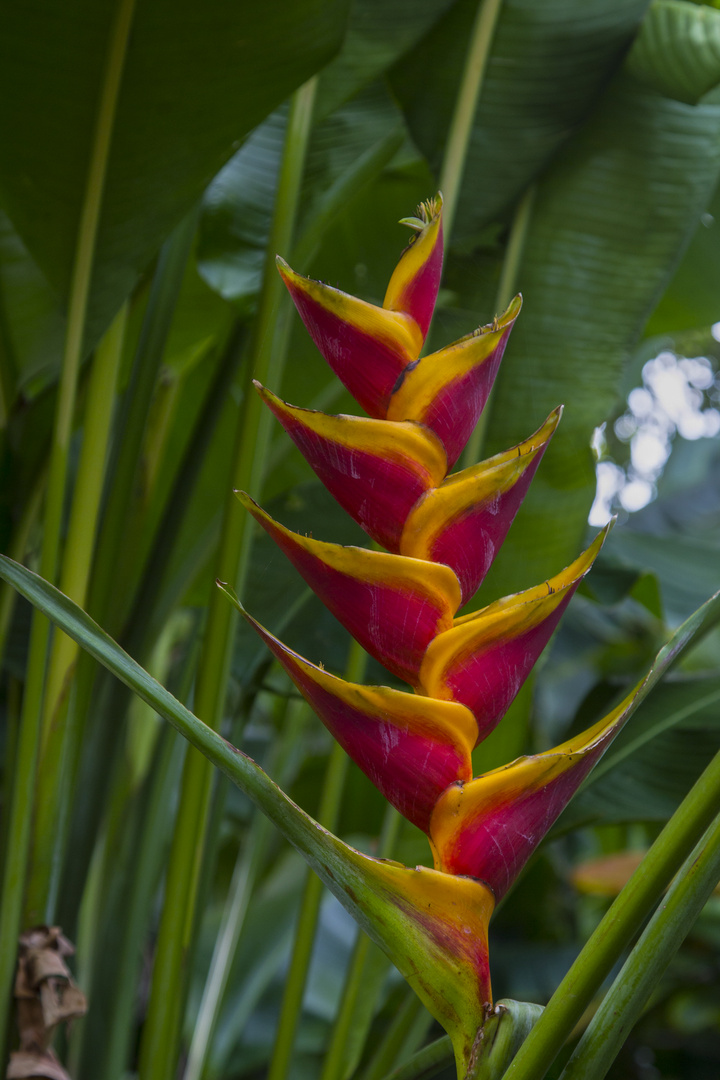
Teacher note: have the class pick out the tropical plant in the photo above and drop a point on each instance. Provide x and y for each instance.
(577, 149)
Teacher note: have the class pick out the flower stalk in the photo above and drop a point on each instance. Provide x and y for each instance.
(391, 471)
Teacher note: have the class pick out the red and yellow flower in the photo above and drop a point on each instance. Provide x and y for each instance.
(391, 471)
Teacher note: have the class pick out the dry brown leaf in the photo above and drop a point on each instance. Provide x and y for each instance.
(46, 996)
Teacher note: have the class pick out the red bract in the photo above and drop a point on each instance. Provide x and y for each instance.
(390, 472)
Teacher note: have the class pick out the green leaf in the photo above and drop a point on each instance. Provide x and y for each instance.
(347, 150)
(692, 299)
(677, 51)
(32, 322)
(688, 567)
(610, 219)
(196, 80)
(548, 64)
(379, 32)
(653, 763)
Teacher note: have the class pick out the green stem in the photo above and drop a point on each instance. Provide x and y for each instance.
(456, 149)
(306, 925)
(310, 906)
(602, 951)
(663, 936)
(142, 621)
(162, 301)
(267, 358)
(159, 1049)
(428, 1062)
(152, 838)
(362, 982)
(249, 862)
(506, 290)
(118, 912)
(8, 368)
(99, 739)
(16, 550)
(29, 743)
(57, 731)
(367, 167)
(393, 1040)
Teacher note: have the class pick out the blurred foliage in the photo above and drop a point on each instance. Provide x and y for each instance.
(607, 114)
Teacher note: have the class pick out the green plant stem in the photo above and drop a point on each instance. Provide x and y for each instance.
(306, 925)
(456, 149)
(153, 837)
(99, 740)
(161, 304)
(117, 909)
(29, 743)
(8, 368)
(663, 936)
(603, 949)
(427, 1063)
(312, 895)
(56, 749)
(367, 167)
(249, 862)
(16, 550)
(143, 622)
(361, 984)
(159, 1049)
(86, 501)
(506, 290)
(393, 1040)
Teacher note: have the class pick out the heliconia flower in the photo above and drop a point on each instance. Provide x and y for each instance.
(464, 521)
(442, 532)
(488, 828)
(376, 469)
(392, 605)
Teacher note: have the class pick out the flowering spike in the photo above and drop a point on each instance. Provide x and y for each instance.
(393, 606)
(377, 470)
(391, 473)
(464, 521)
(366, 346)
(411, 747)
(489, 828)
(447, 390)
(486, 656)
(415, 281)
